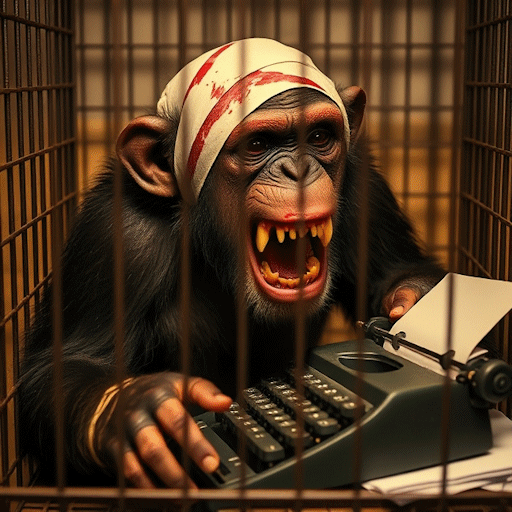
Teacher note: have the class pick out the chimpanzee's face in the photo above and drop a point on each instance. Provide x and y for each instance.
(277, 180)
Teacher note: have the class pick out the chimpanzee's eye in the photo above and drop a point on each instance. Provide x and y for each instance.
(320, 138)
(257, 145)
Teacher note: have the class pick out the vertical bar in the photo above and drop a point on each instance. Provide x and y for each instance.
(56, 250)
(458, 100)
(41, 144)
(363, 230)
(155, 48)
(277, 24)
(229, 20)
(407, 107)
(507, 165)
(328, 36)
(355, 59)
(4, 460)
(33, 170)
(300, 262)
(204, 24)
(363, 183)
(23, 214)
(58, 76)
(252, 8)
(8, 155)
(130, 68)
(388, 10)
(11, 209)
(71, 165)
(83, 91)
(114, 31)
(184, 282)
(107, 78)
(433, 171)
(242, 341)
(4, 445)
(433, 136)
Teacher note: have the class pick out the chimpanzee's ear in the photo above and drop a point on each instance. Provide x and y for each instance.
(140, 151)
(354, 99)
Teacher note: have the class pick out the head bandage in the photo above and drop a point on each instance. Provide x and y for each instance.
(216, 91)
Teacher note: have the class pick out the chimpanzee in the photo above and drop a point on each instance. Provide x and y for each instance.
(264, 151)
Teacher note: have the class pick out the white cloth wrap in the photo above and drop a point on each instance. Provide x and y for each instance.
(217, 90)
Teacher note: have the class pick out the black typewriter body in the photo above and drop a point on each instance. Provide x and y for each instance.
(358, 401)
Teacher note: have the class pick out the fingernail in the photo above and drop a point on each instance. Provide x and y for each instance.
(397, 311)
(210, 464)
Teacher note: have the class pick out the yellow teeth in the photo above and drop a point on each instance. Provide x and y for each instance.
(273, 278)
(270, 277)
(322, 230)
(262, 236)
(327, 232)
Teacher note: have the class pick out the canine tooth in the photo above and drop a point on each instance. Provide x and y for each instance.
(327, 232)
(262, 237)
(292, 233)
(313, 230)
(280, 235)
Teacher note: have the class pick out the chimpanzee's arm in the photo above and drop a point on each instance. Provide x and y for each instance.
(90, 388)
(399, 273)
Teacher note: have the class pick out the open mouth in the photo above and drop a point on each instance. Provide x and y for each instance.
(274, 256)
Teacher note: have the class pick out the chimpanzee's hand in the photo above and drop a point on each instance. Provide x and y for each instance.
(397, 302)
(152, 409)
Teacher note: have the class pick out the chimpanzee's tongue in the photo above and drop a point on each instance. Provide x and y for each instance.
(282, 258)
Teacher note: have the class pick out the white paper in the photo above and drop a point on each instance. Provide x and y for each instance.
(478, 304)
(492, 470)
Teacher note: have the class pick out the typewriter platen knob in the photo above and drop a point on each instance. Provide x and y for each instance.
(491, 380)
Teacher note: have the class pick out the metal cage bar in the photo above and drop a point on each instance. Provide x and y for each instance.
(486, 171)
(38, 189)
(403, 52)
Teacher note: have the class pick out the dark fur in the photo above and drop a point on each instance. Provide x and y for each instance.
(152, 228)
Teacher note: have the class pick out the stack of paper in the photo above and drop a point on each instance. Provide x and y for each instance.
(491, 471)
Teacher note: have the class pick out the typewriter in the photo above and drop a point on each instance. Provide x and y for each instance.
(358, 406)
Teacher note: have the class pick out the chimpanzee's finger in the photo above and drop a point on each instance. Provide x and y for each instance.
(155, 454)
(131, 466)
(207, 395)
(136, 421)
(134, 472)
(403, 300)
(177, 422)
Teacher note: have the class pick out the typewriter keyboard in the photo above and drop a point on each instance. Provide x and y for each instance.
(269, 420)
